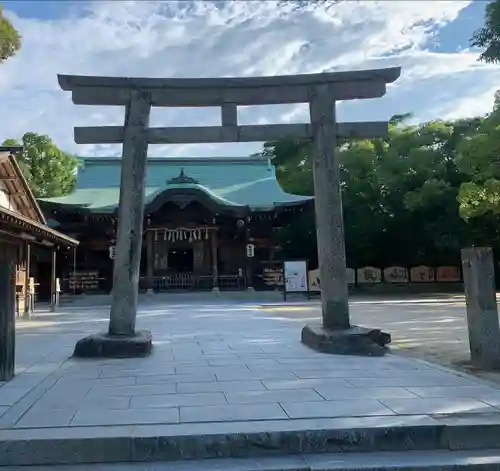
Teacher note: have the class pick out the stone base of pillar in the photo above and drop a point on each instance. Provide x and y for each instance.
(104, 345)
(216, 290)
(353, 341)
(150, 292)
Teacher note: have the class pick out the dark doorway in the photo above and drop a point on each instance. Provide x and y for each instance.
(180, 260)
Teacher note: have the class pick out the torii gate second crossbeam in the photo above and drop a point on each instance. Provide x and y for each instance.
(320, 91)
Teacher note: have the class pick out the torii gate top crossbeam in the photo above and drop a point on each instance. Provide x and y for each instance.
(89, 90)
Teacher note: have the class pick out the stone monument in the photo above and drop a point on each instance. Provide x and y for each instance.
(482, 312)
(137, 95)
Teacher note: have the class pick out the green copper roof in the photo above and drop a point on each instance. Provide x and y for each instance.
(227, 182)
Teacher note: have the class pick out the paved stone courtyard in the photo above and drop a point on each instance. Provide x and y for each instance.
(219, 361)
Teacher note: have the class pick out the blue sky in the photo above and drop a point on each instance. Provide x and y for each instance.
(441, 78)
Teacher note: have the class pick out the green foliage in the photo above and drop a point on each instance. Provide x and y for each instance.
(408, 198)
(488, 37)
(49, 171)
(10, 40)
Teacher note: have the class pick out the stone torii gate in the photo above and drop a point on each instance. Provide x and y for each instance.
(138, 95)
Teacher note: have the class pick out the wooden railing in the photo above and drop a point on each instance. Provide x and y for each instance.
(188, 281)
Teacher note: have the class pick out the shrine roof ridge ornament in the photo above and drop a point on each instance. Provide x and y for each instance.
(182, 178)
(179, 92)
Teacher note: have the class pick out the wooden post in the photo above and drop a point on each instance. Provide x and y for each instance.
(482, 312)
(215, 261)
(248, 260)
(150, 261)
(27, 293)
(53, 282)
(328, 206)
(130, 215)
(7, 319)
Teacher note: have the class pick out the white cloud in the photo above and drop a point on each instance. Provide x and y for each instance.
(202, 39)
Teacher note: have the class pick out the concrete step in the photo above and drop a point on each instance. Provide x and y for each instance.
(255, 440)
(472, 460)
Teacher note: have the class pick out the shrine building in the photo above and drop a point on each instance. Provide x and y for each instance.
(209, 223)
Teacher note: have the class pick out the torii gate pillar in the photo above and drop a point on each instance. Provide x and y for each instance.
(321, 91)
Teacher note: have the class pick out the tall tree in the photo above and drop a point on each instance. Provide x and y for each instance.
(488, 37)
(478, 159)
(399, 193)
(10, 40)
(49, 170)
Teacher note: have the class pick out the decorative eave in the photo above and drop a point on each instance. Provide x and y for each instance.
(35, 228)
(196, 193)
(16, 184)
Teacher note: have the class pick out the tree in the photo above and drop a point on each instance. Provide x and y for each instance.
(488, 37)
(479, 159)
(49, 170)
(399, 193)
(10, 40)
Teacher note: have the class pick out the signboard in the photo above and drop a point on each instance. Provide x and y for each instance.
(272, 276)
(448, 274)
(422, 274)
(369, 275)
(112, 252)
(315, 283)
(350, 275)
(295, 273)
(396, 275)
(250, 250)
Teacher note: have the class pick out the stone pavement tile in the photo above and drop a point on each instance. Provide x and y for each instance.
(448, 405)
(72, 369)
(135, 390)
(260, 375)
(257, 365)
(68, 391)
(47, 418)
(96, 403)
(188, 356)
(322, 365)
(303, 410)
(177, 400)
(412, 381)
(3, 409)
(231, 360)
(26, 380)
(222, 386)
(335, 394)
(45, 367)
(308, 383)
(9, 396)
(232, 413)
(305, 374)
(184, 378)
(255, 397)
(476, 392)
(120, 373)
(226, 370)
(91, 374)
(99, 382)
(126, 417)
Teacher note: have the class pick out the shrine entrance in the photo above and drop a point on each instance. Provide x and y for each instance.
(181, 260)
